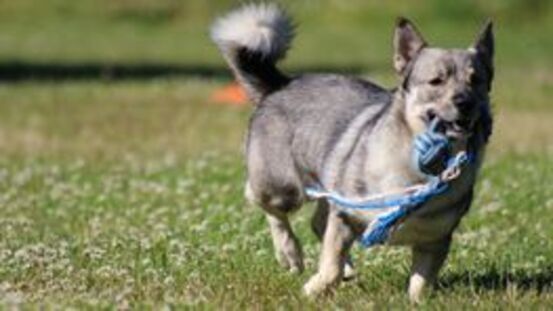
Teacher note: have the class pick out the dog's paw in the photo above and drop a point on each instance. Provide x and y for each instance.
(349, 272)
(416, 288)
(314, 286)
(292, 263)
(319, 285)
(296, 269)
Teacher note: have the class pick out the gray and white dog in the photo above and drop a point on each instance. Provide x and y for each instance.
(355, 138)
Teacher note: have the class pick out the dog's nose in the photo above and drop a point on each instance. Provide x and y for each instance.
(431, 115)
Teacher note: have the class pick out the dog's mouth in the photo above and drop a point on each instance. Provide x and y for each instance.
(459, 129)
(456, 130)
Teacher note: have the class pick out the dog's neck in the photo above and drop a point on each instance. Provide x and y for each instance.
(398, 110)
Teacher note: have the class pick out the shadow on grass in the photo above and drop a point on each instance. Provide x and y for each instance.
(18, 71)
(494, 279)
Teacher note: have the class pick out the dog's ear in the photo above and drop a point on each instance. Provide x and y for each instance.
(484, 45)
(407, 44)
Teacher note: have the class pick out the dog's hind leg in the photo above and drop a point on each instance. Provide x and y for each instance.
(427, 261)
(337, 240)
(274, 185)
(287, 247)
(277, 205)
(318, 225)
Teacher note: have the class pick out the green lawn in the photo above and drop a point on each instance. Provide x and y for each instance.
(128, 192)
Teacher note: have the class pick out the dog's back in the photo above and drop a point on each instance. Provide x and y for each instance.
(319, 108)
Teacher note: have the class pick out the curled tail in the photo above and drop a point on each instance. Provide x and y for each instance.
(252, 39)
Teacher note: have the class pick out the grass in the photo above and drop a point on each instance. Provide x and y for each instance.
(118, 193)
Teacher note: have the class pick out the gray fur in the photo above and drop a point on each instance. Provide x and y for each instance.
(355, 137)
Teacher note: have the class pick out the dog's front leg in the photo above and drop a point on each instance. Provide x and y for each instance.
(338, 238)
(427, 261)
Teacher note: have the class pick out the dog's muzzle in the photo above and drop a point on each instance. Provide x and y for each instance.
(457, 129)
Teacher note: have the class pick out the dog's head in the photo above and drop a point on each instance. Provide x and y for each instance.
(451, 84)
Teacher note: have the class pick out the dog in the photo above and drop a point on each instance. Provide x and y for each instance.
(356, 138)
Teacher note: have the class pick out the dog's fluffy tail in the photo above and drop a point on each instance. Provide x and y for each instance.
(252, 39)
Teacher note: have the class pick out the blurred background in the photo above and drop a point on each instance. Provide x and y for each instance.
(92, 76)
(121, 178)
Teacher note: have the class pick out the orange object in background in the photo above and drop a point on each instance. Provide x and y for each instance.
(232, 94)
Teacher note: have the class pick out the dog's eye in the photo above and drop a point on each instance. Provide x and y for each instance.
(436, 81)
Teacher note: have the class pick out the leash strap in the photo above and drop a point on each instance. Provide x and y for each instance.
(406, 201)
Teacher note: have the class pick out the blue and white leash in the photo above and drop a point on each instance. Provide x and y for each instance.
(409, 196)
(407, 201)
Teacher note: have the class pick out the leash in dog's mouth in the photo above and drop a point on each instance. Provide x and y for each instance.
(456, 129)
